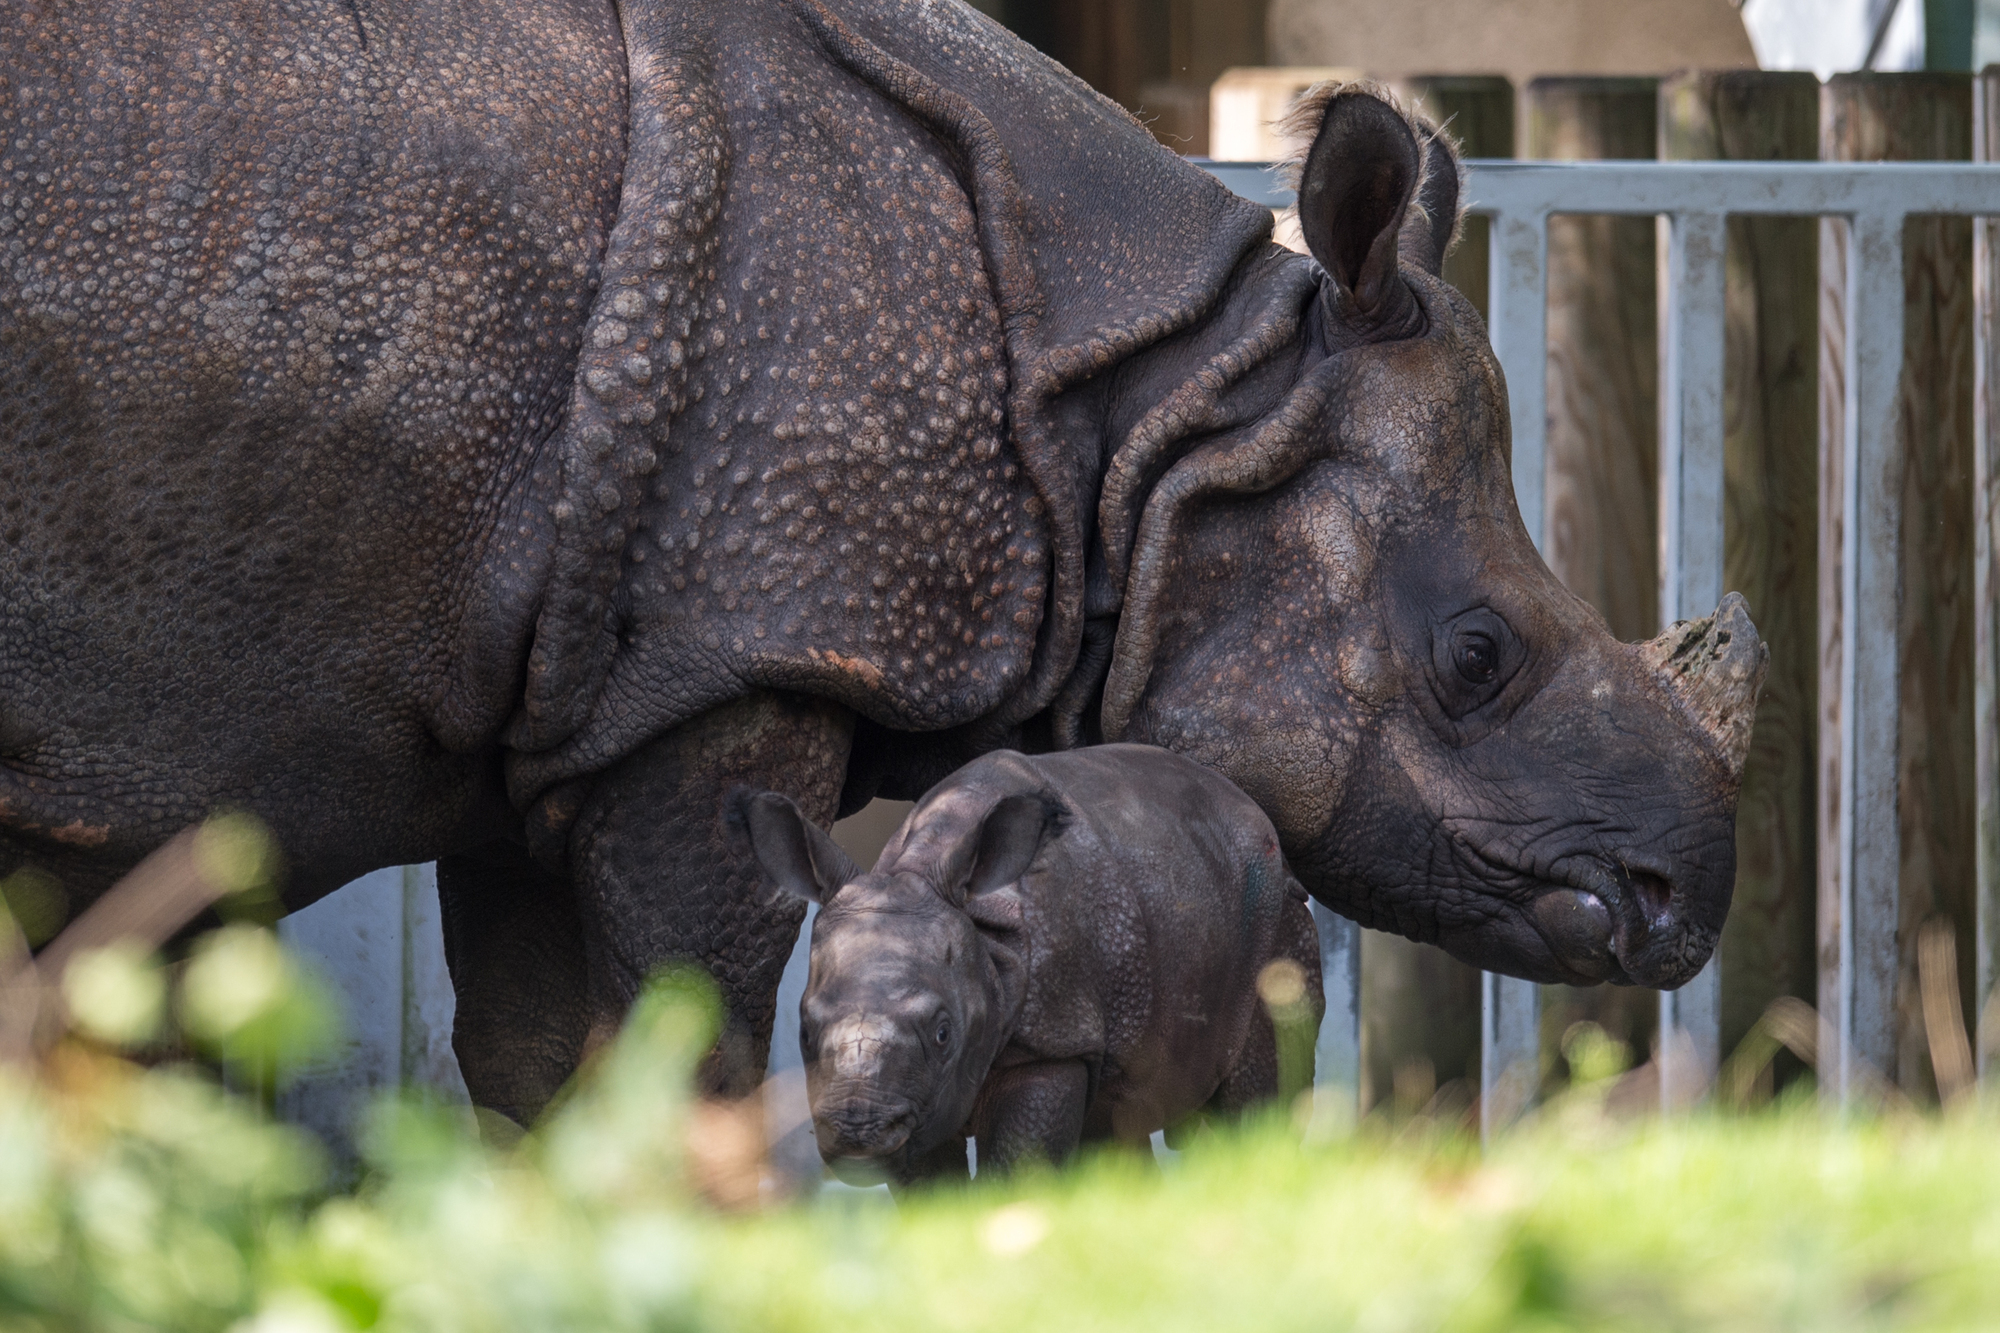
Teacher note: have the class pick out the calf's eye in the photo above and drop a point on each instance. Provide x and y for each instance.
(943, 1033)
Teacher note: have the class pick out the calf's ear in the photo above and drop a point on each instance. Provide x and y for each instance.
(1010, 835)
(795, 854)
(1354, 188)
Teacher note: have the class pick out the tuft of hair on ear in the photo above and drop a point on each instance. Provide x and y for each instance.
(1436, 148)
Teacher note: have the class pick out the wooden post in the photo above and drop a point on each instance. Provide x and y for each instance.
(1889, 117)
(1986, 589)
(1103, 42)
(1771, 461)
(1603, 447)
(1205, 37)
(1602, 497)
(1197, 40)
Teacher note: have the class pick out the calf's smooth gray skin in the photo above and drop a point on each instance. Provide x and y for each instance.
(492, 436)
(1050, 950)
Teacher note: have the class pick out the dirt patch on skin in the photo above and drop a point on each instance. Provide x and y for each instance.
(861, 668)
(76, 833)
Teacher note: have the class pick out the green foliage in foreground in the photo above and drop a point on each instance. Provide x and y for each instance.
(153, 1199)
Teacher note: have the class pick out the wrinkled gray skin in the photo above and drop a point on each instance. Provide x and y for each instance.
(1050, 951)
(491, 436)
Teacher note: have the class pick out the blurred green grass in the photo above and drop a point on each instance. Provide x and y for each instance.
(154, 1198)
(138, 1195)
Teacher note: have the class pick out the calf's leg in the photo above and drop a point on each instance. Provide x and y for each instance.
(1030, 1113)
(1256, 1076)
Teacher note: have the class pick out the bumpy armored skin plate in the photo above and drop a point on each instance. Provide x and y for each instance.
(287, 309)
(812, 446)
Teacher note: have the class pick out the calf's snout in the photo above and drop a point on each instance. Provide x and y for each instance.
(863, 1129)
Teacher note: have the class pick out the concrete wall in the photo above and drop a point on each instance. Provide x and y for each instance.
(1518, 38)
(379, 942)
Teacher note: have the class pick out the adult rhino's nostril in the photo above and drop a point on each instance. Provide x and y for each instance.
(1653, 894)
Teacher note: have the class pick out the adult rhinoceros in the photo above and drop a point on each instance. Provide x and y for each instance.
(494, 435)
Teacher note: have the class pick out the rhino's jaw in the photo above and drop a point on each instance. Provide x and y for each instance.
(869, 1137)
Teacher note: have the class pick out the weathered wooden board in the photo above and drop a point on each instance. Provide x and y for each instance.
(1986, 589)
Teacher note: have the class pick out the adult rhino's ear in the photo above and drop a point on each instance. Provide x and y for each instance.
(796, 855)
(1354, 189)
(1430, 224)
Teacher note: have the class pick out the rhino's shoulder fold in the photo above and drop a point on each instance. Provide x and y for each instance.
(630, 381)
(894, 521)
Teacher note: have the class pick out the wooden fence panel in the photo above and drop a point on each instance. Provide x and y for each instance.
(1986, 580)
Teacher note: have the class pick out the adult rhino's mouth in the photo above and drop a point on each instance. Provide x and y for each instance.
(1623, 918)
(1625, 924)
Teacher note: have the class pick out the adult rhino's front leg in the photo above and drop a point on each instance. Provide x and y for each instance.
(658, 878)
(546, 967)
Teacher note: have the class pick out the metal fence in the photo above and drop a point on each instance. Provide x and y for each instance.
(1863, 465)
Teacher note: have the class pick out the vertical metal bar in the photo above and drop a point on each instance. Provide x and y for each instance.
(1519, 327)
(429, 1003)
(413, 1026)
(1985, 591)
(789, 1145)
(1510, 1070)
(1691, 423)
(1691, 433)
(1337, 1056)
(1986, 623)
(1517, 297)
(1859, 889)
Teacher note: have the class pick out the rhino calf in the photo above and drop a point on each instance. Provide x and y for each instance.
(1050, 950)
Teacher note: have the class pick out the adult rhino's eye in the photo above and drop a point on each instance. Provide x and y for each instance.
(1475, 654)
(1478, 659)
(943, 1034)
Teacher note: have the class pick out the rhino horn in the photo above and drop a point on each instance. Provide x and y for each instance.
(853, 1048)
(1715, 666)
